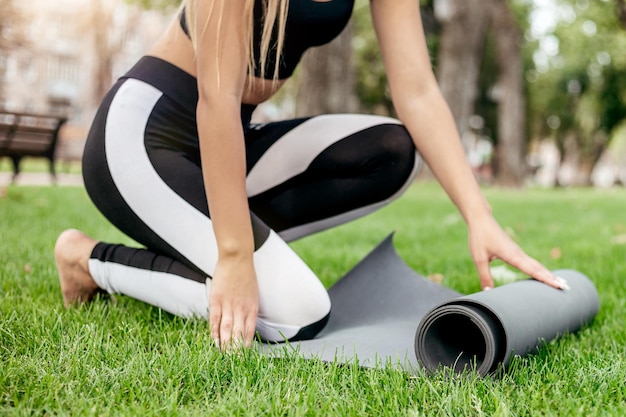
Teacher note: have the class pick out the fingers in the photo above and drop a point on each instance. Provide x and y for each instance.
(484, 273)
(232, 328)
(488, 242)
(215, 319)
(536, 270)
(516, 257)
(241, 334)
(249, 329)
(226, 331)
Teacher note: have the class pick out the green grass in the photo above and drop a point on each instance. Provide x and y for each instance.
(127, 358)
(41, 165)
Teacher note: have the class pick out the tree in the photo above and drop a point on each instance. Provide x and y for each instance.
(461, 46)
(511, 136)
(621, 12)
(11, 33)
(351, 69)
(578, 89)
(467, 28)
(108, 39)
(11, 30)
(326, 79)
(457, 33)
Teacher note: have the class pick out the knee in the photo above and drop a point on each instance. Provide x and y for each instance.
(293, 303)
(395, 156)
(397, 148)
(304, 320)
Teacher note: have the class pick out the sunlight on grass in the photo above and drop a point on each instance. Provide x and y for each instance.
(123, 357)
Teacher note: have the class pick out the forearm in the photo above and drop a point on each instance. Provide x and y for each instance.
(419, 103)
(440, 146)
(422, 109)
(222, 151)
(233, 292)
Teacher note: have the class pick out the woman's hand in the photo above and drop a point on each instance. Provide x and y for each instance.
(233, 303)
(488, 241)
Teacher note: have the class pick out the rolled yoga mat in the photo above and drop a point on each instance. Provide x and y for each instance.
(383, 313)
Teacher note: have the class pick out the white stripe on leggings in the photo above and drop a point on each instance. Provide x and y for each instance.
(159, 207)
(176, 295)
(290, 295)
(293, 153)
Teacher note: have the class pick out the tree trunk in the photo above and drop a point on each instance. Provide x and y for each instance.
(464, 30)
(621, 12)
(327, 78)
(12, 34)
(108, 41)
(101, 24)
(510, 96)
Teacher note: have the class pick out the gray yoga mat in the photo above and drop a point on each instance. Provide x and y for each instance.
(383, 313)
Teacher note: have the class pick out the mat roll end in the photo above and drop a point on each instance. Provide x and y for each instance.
(483, 331)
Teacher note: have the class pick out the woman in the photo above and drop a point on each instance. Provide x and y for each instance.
(175, 133)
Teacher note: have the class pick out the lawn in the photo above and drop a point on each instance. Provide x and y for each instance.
(123, 357)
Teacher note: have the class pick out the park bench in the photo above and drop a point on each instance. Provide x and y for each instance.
(29, 134)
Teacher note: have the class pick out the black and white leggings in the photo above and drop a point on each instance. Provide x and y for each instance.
(142, 170)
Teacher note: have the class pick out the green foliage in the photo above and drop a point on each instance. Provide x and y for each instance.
(371, 79)
(612, 95)
(122, 357)
(155, 4)
(581, 88)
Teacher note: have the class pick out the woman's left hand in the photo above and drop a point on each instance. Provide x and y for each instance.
(488, 241)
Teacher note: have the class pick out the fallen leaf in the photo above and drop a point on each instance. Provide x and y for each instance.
(503, 274)
(619, 239)
(509, 231)
(556, 253)
(436, 278)
(452, 219)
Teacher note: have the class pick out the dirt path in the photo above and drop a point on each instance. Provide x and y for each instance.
(41, 178)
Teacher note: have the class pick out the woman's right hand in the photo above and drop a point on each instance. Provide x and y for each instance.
(233, 303)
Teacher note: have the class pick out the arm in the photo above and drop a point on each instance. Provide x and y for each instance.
(422, 109)
(221, 72)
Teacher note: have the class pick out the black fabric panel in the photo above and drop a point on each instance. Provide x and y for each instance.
(183, 174)
(171, 140)
(104, 194)
(310, 331)
(144, 259)
(362, 169)
(260, 137)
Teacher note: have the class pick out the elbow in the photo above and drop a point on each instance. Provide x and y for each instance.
(218, 107)
(411, 101)
(216, 96)
(214, 100)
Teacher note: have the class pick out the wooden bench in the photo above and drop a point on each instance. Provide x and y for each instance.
(29, 134)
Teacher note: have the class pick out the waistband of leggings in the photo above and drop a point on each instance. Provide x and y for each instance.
(177, 84)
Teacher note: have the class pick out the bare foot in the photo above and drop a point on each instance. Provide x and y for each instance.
(72, 251)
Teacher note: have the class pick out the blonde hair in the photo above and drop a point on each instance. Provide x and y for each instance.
(274, 16)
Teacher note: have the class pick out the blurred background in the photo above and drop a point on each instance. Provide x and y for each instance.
(537, 87)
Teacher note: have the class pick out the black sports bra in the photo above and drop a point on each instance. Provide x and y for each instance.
(309, 23)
